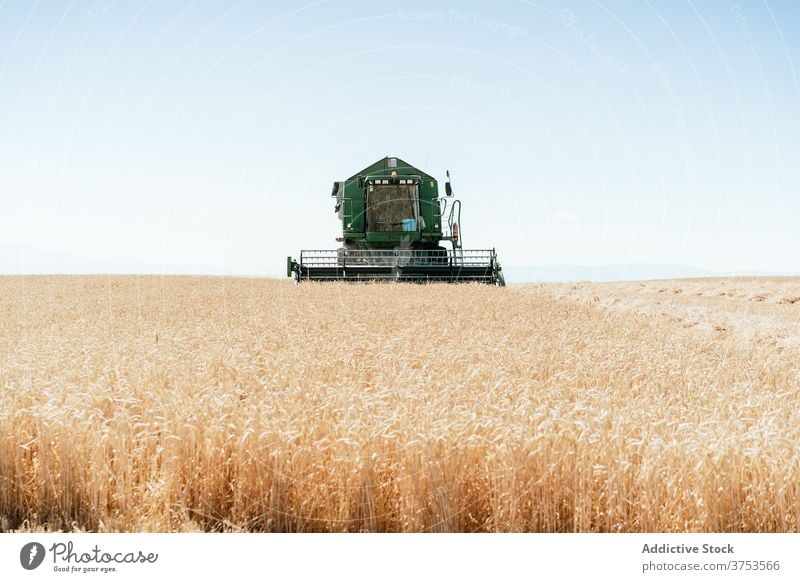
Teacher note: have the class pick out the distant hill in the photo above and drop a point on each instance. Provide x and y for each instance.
(613, 272)
(29, 260)
(616, 272)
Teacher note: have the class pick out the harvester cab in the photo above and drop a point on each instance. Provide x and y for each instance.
(393, 226)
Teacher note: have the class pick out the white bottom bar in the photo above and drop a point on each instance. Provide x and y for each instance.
(437, 557)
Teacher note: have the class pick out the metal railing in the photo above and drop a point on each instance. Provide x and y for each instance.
(342, 258)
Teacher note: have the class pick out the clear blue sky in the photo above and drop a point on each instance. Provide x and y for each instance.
(183, 132)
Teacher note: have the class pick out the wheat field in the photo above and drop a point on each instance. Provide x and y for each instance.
(234, 404)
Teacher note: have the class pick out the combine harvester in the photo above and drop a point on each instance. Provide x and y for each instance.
(393, 222)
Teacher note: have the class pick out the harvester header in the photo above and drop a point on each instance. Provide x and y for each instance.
(393, 225)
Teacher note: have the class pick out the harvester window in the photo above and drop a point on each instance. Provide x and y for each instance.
(392, 207)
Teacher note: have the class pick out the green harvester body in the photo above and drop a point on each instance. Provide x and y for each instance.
(393, 225)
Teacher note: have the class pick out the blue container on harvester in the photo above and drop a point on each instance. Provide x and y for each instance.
(409, 225)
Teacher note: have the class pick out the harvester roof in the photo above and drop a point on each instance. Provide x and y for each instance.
(388, 165)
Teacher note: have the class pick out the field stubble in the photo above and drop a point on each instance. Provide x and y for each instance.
(181, 404)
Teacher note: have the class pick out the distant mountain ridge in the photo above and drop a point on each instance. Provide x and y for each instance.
(617, 272)
(30, 260)
(611, 272)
